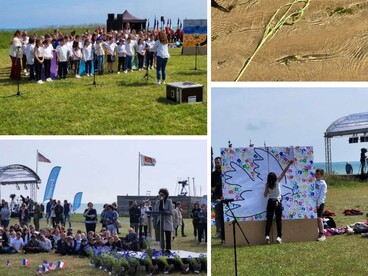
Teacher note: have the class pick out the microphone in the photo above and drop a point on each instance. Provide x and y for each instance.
(225, 200)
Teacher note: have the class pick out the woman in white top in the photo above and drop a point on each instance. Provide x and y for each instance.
(162, 53)
(39, 58)
(273, 191)
(15, 54)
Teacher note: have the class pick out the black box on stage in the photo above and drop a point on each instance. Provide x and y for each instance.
(184, 92)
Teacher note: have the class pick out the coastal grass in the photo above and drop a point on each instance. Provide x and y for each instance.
(80, 266)
(122, 104)
(338, 255)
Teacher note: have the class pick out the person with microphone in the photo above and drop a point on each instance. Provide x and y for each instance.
(164, 206)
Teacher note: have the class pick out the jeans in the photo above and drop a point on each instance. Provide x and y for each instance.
(128, 62)
(88, 67)
(274, 206)
(100, 62)
(161, 67)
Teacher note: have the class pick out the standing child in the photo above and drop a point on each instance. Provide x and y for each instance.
(30, 57)
(321, 190)
(88, 56)
(48, 50)
(274, 206)
(111, 53)
(39, 58)
(141, 52)
(62, 58)
(77, 56)
(129, 48)
(121, 55)
(202, 230)
(100, 53)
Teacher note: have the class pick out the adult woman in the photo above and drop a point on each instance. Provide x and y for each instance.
(5, 215)
(91, 218)
(162, 53)
(273, 191)
(164, 206)
(15, 54)
(195, 218)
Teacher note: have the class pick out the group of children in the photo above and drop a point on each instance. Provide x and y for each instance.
(70, 51)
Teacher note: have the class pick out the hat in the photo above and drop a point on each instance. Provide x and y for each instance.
(99, 38)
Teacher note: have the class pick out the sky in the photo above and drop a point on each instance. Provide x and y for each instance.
(104, 169)
(21, 14)
(285, 117)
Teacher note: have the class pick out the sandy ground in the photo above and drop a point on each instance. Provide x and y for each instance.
(324, 45)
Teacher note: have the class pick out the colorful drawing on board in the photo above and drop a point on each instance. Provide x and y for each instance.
(244, 175)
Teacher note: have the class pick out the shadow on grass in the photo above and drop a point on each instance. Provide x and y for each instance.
(135, 84)
(192, 72)
(163, 100)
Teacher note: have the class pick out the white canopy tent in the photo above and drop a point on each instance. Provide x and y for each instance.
(354, 125)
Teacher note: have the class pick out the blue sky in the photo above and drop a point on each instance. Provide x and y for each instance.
(33, 14)
(285, 117)
(105, 168)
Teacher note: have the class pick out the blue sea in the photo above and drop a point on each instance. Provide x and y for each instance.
(339, 167)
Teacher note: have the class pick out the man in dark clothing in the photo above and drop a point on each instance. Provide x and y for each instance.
(59, 211)
(216, 190)
(134, 214)
(131, 241)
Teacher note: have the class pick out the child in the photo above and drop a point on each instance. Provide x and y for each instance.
(141, 52)
(30, 57)
(77, 56)
(129, 48)
(39, 58)
(62, 58)
(202, 230)
(321, 190)
(111, 52)
(121, 55)
(48, 49)
(151, 52)
(88, 56)
(273, 191)
(100, 53)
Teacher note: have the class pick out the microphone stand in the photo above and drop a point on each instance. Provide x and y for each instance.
(235, 222)
(147, 75)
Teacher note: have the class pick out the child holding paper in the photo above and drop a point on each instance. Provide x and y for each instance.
(274, 206)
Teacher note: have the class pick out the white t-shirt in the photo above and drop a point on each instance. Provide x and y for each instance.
(16, 44)
(48, 51)
(77, 54)
(129, 48)
(110, 47)
(87, 52)
(63, 52)
(16, 243)
(121, 50)
(30, 54)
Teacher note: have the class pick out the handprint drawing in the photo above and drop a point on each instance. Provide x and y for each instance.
(245, 173)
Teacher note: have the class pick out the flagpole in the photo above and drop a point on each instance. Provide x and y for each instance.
(139, 173)
(37, 162)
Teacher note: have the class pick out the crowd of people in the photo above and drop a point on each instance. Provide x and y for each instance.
(130, 48)
(58, 235)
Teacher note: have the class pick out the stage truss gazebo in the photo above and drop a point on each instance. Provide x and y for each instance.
(353, 125)
(17, 175)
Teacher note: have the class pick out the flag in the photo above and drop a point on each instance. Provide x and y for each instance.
(25, 262)
(51, 183)
(154, 23)
(177, 25)
(147, 161)
(148, 25)
(45, 268)
(61, 264)
(8, 263)
(41, 158)
(52, 266)
(39, 271)
(77, 201)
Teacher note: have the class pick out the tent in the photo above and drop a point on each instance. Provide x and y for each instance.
(350, 125)
(17, 175)
(126, 17)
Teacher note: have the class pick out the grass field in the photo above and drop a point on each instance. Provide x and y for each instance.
(117, 105)
(80, 266)
(338, 255)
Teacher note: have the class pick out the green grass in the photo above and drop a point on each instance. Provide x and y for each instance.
(118, 105)
(338, 255)
(80, 266)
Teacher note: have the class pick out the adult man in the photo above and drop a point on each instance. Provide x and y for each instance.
(216, 190)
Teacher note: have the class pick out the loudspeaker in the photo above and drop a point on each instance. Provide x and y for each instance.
(111, 16)
(162, 19)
